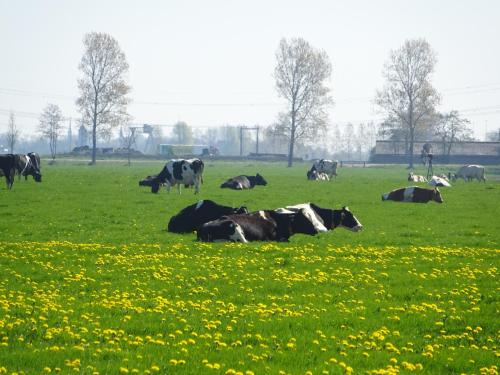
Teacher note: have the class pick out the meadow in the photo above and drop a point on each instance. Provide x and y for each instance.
(93, 284)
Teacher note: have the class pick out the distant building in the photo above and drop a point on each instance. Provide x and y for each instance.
(389, 152)
(83, 136)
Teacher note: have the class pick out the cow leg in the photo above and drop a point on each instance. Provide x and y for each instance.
(179, 188)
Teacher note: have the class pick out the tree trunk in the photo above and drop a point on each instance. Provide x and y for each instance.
(94, 141)
(94, 131)
(412, 135)
(292, 142)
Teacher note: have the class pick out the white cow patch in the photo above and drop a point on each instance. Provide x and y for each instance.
(199, 204)
(238, 235)
(262, 214)
(310, 214)
(408, 194)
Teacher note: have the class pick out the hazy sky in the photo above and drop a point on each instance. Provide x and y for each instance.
(211, 62)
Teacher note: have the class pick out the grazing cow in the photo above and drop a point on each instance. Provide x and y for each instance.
(314, 175)
(179, 172)
(29, 164)
(416, 178)
(244, 182)
(191, 217)
(259, 226)
(326, 166)
(413, 194)
(325, 219)
(8, 167)
(469, 172)
(439, 181)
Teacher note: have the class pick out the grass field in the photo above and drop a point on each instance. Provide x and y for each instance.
(92, 283)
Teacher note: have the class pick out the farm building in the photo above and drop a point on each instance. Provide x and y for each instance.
(460, 153)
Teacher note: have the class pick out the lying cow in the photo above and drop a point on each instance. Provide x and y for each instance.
(469, 172)
(191, 217)
(314, 175)
(326, 166)
(266, 225)
(416, 178)
(180, 172)
(439, 181)
(244, 182)
(414, 194)
(324, 219)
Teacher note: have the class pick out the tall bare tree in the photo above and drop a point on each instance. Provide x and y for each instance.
(301, 73)
(408, 95)
(12, 135)
(128, 141)
(103, 85)
(450, 129)
(50, 126)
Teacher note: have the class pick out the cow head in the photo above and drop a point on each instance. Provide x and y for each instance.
(155, 186)
(436, 195)
(259, 180)
(312, 174)
(346, 219)
(410, 176)
(37, 176)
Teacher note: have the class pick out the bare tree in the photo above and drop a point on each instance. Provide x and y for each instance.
(103, 86)
(408, 95)
(50, 126)
(300, 73)
(12, 135)
(451, 128)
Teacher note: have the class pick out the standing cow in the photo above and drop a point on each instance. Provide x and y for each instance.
(469, 172)
(187, 172)
(413, 194)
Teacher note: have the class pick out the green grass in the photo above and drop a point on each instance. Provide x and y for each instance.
(92, 281)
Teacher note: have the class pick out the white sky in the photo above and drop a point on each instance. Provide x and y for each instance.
(210, 63)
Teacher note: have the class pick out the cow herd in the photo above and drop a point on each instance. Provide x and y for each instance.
(214, 222)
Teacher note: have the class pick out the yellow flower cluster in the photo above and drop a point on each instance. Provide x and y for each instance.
(238, 309)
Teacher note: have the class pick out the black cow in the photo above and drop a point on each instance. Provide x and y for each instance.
(187, 172)
(244, 182)
(191, 217)
(259, 226)
(8, 166)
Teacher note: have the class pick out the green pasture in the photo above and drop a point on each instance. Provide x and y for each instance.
(93, 284)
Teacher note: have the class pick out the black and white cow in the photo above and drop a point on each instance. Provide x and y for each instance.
(266, 225)
(413, 194)
(191, 217)
(8, 166)
(29, 164)
(325, 219)
(326, 166)
(187, 172)
(244, 182)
